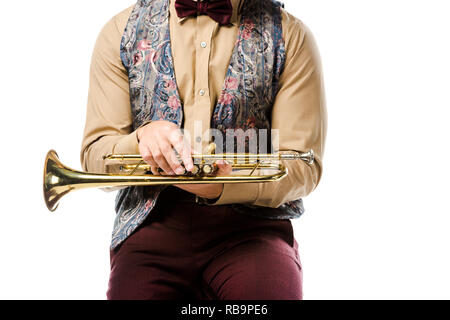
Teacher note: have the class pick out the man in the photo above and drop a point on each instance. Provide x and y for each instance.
(163, 65)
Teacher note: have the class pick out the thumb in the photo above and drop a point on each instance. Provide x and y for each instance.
(224, 168)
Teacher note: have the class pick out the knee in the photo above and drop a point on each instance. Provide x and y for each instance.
(280, 279)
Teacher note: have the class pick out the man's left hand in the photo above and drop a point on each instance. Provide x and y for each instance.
(209, 191)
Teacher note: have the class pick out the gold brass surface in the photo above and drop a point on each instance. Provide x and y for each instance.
(60, 180)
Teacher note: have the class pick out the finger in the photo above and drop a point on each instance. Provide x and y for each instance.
(160, 159)
(224, 168)
(154, 170)
(183, 149)
(171, 161)
(147, 155)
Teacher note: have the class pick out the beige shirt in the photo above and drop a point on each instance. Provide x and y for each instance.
(299, 111)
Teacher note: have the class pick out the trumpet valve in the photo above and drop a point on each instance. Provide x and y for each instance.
(208, 169)
(196, 170)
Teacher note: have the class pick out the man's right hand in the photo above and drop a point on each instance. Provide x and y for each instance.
(157, 141)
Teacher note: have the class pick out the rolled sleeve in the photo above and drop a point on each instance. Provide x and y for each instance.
(238, 193)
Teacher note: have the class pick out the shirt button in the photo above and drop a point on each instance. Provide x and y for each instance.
(202, 92)
(198, 139)
(203, 44)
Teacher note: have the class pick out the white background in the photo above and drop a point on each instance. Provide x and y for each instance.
(377, 226)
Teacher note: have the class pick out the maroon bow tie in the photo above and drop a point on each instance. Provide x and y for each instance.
(218, 10)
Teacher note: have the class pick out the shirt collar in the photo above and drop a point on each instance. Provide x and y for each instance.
(237, 6)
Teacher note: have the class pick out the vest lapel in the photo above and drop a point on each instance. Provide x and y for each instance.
(251, 82)
(147, 55)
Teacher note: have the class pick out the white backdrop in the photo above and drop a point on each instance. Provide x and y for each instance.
(377, 226)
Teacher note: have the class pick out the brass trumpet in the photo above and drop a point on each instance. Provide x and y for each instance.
(60, 180)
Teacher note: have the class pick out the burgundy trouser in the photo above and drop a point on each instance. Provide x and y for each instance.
(190, 251)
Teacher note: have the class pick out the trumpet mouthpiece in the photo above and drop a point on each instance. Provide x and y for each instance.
(307, 157)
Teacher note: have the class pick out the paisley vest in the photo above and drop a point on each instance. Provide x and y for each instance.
(246, 100)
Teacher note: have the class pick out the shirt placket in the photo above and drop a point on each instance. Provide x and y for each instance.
(202, 107)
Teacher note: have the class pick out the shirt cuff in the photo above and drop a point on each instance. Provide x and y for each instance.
(128, 144)
(238, 193)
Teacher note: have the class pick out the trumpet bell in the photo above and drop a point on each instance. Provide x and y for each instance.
(54, 183)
